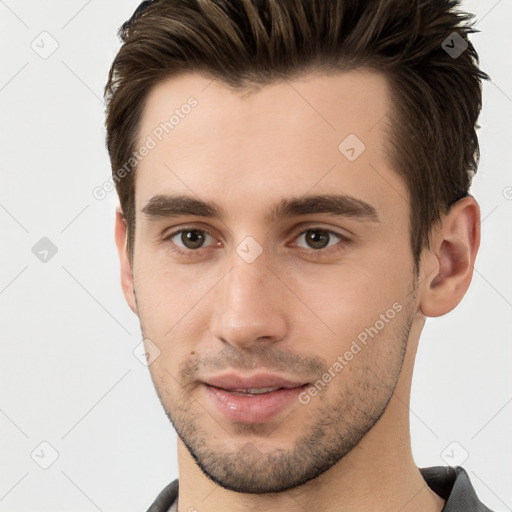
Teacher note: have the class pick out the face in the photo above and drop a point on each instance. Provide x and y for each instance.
(272, 270)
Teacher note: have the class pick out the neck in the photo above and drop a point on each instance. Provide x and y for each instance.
(378, 474)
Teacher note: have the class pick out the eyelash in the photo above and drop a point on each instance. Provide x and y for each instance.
(317, 252)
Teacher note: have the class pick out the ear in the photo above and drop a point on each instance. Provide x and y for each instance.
(124, 260)
(447, 266)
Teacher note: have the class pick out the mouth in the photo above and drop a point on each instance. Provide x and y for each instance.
(251, 392)
(256, 384)
(255, 399)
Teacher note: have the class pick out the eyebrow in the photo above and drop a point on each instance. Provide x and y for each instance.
(168, 206)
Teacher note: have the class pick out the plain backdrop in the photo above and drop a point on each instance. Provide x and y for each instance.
(74, 397)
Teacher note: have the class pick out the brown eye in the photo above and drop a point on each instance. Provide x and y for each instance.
(318, 238)
(190, 238)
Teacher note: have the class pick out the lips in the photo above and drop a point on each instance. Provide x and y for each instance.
(255, 384)
(255, 399)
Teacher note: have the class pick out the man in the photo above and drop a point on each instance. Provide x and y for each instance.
(293, 181)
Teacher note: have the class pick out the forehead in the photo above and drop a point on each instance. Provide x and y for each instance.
(316, 133)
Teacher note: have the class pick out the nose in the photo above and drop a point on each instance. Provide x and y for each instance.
(251, 306)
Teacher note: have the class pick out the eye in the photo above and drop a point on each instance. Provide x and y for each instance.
(191, 238)
(318, 239)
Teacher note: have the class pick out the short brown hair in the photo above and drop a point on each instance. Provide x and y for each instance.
(436, 94)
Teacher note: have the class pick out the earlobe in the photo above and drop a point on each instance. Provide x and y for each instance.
(447, 266)
(127, 282)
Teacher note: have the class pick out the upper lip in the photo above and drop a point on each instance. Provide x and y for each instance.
(262, 380)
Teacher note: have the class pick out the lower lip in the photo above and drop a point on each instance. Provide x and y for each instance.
(255, 408)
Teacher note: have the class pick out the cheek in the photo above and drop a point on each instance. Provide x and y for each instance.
(167, 295)
(166, 381)
(346, 299)
(361, 315)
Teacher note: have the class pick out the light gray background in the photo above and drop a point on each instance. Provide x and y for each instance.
(68, 373)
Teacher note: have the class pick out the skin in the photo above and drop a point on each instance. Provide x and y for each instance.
(294, 309)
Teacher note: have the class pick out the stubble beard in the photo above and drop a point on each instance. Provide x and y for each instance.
(338, 426)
